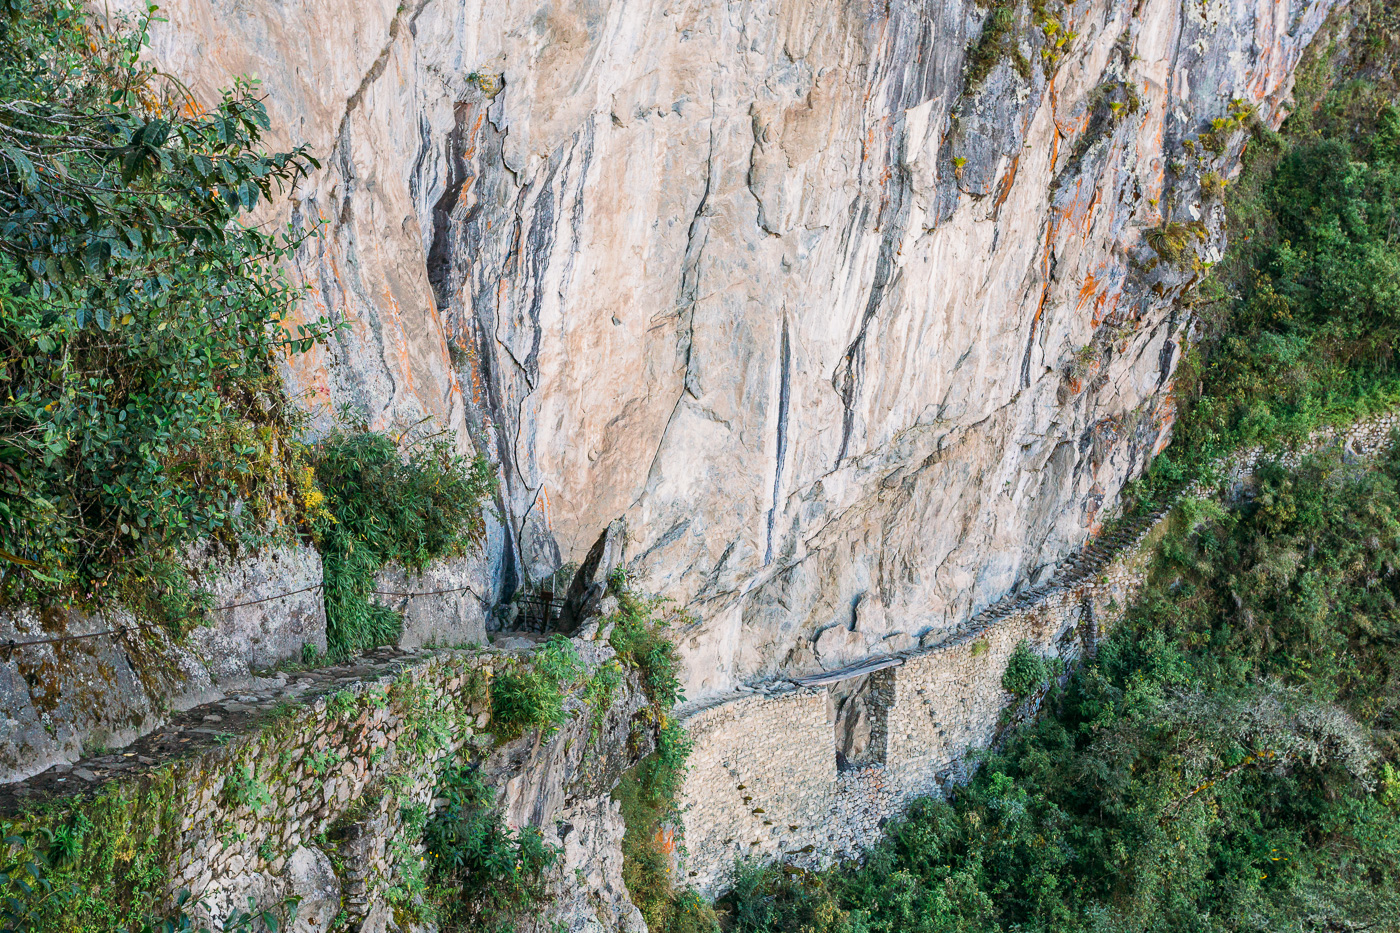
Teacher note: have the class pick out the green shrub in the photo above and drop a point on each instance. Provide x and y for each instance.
(1297, 325)
(140, 318)
(639, 638)
(998, 39)
(384, 505)
(491, 876)
(772, 900)
(242, 788)
(599, 693)
(529, 694)
(648, 792)
(1172, 240)
(1025, 671)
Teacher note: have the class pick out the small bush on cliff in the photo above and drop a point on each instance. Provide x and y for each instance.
(529, 694)
(639, 638)
(140, 317)
(384, 505)
(997, 40)
(490, 876)
(1025, 671)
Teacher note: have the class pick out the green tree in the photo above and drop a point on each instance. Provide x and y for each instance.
(141, 315)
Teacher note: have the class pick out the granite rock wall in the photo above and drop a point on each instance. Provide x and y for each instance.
(835, 330)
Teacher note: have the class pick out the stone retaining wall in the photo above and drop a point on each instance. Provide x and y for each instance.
(768, 770)
(302, 790)
(763, 782)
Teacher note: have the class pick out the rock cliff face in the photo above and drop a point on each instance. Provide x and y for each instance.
(847, 309)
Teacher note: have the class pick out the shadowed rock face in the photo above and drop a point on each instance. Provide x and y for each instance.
(764, 279)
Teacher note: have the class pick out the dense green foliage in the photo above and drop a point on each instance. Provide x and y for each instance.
(648, 792)
(1298, 325)
(1226, 762)
(1025, 671)
(529, 694)
(639, 637)
(101, 868)
(490, 875)
(139, 318)
(380, 507)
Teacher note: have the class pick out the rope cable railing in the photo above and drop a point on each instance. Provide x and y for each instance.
(10, 645)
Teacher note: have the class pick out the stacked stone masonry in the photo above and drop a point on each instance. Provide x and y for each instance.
(300, 790)
(764, 783)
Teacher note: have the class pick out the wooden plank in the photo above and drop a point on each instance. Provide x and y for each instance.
(858, 669)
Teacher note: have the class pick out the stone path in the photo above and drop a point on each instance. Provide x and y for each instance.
(1076, 570)
(1360, 440)
(761, 783)
(205, 726)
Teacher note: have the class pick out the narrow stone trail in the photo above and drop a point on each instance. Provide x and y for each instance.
(206, 726)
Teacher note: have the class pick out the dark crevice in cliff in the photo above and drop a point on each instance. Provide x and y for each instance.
(784, 392)
(846, 380)
(539, 247)
(1167, 357)
(1039, 312)
(478, 195)
(440, 253)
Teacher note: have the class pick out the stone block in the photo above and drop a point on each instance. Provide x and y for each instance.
(445, 604)
(267, 630)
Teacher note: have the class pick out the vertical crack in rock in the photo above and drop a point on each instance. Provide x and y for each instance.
(539, 249)
(847, 378)
(784, 389)
(1030, 338)
(1167, 355)
(381, 62)
(695, 241)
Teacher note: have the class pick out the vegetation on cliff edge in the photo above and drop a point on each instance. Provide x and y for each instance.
(649, 792)
(143, 313)
(1229, 761)
(140, 316)
(1299, 324)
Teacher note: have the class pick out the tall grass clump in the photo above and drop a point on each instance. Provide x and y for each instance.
(387, 505)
